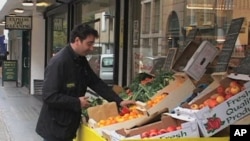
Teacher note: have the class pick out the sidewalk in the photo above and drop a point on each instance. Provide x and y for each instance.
(18, 113)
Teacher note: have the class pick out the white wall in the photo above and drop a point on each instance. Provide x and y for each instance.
(37, 50)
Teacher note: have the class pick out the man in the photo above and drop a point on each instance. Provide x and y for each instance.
(67, 77)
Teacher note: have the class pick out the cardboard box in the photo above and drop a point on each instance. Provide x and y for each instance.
(213, 120)
(103, 112)
(178, 90)
(217, 77)
(188, 124)
(197, 64)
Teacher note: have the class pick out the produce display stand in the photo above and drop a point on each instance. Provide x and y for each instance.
(86, 133)
(192, 65)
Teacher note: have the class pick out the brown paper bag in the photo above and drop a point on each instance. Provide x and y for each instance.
(103, 111)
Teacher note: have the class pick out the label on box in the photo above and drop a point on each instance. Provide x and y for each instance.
(214, 120)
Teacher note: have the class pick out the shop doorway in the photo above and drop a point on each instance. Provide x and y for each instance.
(26, 58)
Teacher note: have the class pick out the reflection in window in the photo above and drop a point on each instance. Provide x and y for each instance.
(156, 21)
(147, 13)
(59, 32)
(107, 62)
(155, 46)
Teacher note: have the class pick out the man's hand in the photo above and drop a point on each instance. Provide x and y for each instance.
(126, 103)
(84, 101)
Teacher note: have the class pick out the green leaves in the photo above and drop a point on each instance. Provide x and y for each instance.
(144, 86)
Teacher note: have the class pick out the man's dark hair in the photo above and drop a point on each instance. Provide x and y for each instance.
(82, 31)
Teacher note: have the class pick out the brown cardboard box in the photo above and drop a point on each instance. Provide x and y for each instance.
(188, 124)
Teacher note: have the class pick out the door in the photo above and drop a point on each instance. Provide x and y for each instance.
(26, 58)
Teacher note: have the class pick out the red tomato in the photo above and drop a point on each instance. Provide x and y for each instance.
(151, 134)
(171, 128)
(145, 134)
(162, 131)
(153, 130)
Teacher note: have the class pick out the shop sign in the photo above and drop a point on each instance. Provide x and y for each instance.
(229, 44)
(170, 59)
(9, 71)
(18, 22)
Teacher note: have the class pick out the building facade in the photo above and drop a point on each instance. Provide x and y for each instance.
(140, 33)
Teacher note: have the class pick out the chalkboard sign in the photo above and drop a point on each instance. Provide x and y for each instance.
(9, 71)
(223, 58)
(228, 45)
(170, 58)
(230, 40)
(244, 67)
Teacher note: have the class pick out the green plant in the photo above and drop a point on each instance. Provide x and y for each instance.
(144, 86)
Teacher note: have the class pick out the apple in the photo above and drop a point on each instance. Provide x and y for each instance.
(214, 96)
(235, 89)
(162, 131)
(242, 88)
(220, 89)
(201, 106)
(145, 134)
(194, 107)
(171, 128)
(220, 99)
(233, 83)
(212, 103)
(206, 102)
(228, 90)
(227, 96)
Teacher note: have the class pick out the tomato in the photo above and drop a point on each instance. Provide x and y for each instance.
(153, 130)
(178, 127)
(124, 111)
(171, 128)
(162, 131)
(151, 134)
(145, 134)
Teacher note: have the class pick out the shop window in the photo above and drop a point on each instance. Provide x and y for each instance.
(155, 47)
(156, 21)
(101, 16)
(147, 13)
(59, 30)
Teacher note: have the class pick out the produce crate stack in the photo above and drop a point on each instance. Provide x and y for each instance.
(162, 110)
(225, 100)
(221, 107)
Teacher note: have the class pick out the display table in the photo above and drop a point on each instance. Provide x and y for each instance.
(87, 134)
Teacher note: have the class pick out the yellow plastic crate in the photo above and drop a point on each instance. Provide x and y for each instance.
(87, 134)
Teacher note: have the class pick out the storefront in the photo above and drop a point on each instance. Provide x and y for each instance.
(140, 33)
(156, 27)
(99, 14)
(151, 35)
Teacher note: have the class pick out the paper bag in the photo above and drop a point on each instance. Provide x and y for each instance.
(103, 111)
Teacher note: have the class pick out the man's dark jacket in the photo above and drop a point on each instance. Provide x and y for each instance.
(66, 78)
